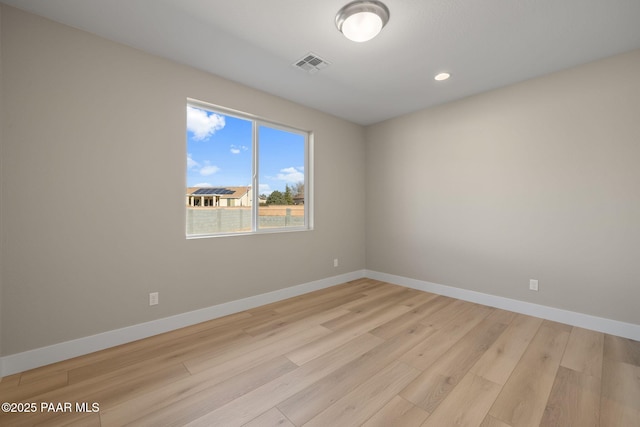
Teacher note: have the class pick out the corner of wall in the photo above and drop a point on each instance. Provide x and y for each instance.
(15, 363)
(1, 191)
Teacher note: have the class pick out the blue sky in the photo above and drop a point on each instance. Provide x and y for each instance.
(219, 153)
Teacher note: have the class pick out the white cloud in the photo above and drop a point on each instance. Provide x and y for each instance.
(265, 189)
(191, 164)
(203, 184)
(209, 170)
(236, 149)
(203, 124)
(291, 175)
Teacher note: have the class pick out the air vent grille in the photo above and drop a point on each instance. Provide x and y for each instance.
(311, 63)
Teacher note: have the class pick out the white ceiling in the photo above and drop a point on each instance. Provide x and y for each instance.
(484, 44)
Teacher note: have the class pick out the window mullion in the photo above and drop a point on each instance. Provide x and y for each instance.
(308, 183)
(255, 204)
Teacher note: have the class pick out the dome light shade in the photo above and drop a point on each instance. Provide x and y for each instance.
(362, 20)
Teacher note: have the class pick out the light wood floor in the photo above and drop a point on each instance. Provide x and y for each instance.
(362, 353)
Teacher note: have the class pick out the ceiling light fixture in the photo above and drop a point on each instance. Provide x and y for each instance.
(442, 76)
(362, 20)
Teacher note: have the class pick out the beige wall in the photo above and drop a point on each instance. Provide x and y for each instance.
(538, 180)
(1, 181)
(87, 124)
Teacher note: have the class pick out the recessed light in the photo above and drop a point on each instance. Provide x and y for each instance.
(442, 76)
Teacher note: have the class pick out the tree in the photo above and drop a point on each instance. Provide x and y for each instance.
(298, 189)
(276, 198)
(288, 197)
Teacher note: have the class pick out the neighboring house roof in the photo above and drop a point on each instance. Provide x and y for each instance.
(222, 192)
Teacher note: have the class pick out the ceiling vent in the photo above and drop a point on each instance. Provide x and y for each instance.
(311, 63)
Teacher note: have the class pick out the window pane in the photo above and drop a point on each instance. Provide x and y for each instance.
(281, 179)
(219, 173)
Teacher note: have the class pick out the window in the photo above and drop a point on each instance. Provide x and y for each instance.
(229, 156)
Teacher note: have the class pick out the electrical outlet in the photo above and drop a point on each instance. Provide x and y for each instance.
(533, 285)
(153, 298)
(335, 262)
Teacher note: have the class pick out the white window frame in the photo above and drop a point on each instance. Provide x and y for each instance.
(256, 122)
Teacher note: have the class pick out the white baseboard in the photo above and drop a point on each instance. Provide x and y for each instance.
(20, 362)
(600, 324)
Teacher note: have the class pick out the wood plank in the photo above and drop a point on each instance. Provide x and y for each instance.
(622, 350)
(490, 421)
(199, 343)
(395, 326)
(207, 360)
(584, 352)
(360, 404)
(218, 329)
(234, 362)
(502, 316)
(620, 398)
(292, 317)
(74, 420)
(419, 298)
(574, 400)
(398, 413)
(155, 342)
(272, 417)
(310, 401)
(123, 387)
(501, 358)
(44, 384)
(378, 285)
(524, 396)
(371, 308)
(109, 389)
(335, 294)
(560, 327)
(10, 381)
(460, 323)
(442, 318)
(435, 383)
(302, 301)
(467, 405)
(377, 298)
(312, 319)
(252, 404)
(314, 349)
(195, 395)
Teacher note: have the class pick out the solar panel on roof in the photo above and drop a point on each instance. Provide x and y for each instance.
(213, 191)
